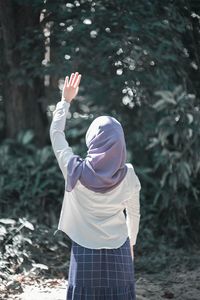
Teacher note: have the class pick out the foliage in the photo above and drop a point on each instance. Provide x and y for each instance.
(14, 252)
(129, 55)
(176, 159)
(29, 251)
(30, 180)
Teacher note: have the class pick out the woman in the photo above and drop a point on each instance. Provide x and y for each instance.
(97, 190)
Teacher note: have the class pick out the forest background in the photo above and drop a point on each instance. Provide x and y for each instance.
(139, 62)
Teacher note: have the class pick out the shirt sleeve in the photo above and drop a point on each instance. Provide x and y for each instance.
(133, 210)
(59, 143)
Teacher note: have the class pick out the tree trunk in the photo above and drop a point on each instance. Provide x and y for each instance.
(22, 98)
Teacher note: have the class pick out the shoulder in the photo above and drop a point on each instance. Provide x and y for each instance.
(132, 177)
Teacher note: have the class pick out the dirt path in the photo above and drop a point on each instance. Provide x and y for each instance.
(179, 286)
(48, 293)
(171, 285)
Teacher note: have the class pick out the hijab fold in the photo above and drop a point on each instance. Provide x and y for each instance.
(104, 166)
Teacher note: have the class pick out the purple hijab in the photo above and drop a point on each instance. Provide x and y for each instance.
(104, 166)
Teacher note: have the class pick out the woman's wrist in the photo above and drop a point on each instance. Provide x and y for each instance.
(66, 100)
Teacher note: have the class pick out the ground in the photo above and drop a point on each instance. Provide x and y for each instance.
(176, 285)
(183, 285)
(172, 276)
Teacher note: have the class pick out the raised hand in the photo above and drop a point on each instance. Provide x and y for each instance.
(71, 87)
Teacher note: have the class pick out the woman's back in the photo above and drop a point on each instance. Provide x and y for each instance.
(96, 220)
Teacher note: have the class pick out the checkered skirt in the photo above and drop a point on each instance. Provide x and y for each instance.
(101, 274)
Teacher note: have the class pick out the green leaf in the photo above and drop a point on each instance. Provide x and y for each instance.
(8, 221)
(173, 182)
(160, 105)
(40, 266)
(26, 224)
(27, 137)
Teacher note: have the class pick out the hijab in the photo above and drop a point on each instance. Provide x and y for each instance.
(104, 166)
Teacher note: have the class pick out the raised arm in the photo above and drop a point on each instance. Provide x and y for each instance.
(59, 143)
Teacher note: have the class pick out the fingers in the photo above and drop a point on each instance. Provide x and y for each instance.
(74, 81)
(74, 78)
(71, 78)
(66, 80)
(76, 84)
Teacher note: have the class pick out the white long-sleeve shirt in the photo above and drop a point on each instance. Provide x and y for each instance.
(95, 220)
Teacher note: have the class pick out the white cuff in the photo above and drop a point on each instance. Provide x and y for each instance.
(63, 103)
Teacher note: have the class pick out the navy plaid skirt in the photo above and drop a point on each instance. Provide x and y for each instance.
(101, 274)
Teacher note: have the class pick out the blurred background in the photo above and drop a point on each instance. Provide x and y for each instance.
(139, 62)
